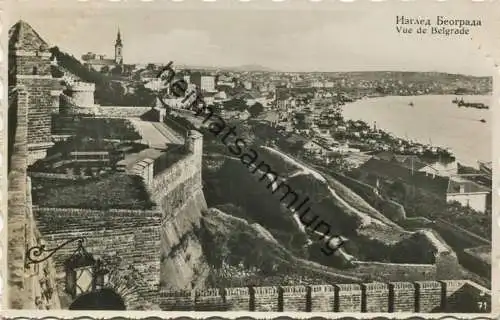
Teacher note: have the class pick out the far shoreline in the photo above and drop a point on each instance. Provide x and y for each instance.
(402, 101)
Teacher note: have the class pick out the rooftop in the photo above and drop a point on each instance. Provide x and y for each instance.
(460, 184)
(23, 37)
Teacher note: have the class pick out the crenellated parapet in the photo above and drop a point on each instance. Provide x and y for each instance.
(423, 296)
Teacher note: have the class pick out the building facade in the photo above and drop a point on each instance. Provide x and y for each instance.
(468, 194)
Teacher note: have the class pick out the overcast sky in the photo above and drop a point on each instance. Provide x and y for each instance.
(303, 36)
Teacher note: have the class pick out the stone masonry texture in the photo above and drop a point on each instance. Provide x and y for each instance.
(391, 297)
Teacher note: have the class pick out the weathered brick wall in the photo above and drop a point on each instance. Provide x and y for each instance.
(267, 299)
(460, 295)
(167, 181)
(375, 297)
(402, 297)
(323, 298)
(209, 300)
(295, 298)
(132, 236)
(43, 275)
(428, 296)
(25, 63)
(17, 204)
(40, 103)
(178, 192)
(177, 300)
(38, 291)
(238, 299)
(182, 261)
(348, 297)
(177, 196)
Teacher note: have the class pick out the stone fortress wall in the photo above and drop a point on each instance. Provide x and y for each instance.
(178, 192)
(422, 296)
(82, 93)
(155, 242)
(33, 291)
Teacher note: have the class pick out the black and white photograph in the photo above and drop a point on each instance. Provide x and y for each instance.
(316, 158)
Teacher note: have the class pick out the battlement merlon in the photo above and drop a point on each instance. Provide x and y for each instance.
(82, 86)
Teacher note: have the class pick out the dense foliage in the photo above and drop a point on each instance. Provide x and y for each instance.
(256, 109)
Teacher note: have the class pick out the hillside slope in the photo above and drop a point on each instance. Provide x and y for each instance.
(242, 253)
(371, 236)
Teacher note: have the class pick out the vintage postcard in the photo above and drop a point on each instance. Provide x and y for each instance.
(251, 158)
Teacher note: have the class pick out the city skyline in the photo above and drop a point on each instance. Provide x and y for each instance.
(284, 40)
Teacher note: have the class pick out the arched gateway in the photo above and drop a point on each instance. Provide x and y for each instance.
(105, 299)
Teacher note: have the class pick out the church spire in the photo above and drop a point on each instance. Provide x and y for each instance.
(118, 39)
(118, 49)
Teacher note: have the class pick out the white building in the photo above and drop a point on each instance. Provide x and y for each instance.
(467, 193)
(247, 85)
(208, 83)
(441, 169)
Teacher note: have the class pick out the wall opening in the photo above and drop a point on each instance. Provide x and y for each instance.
(34, 71)
(105, 299)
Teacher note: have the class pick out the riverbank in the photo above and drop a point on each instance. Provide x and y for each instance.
(430, 120)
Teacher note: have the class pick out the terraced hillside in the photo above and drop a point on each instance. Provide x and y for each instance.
(376, 247)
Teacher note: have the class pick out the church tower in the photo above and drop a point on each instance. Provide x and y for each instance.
(118, 49)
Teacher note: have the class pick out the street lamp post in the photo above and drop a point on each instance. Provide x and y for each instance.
(84, 273)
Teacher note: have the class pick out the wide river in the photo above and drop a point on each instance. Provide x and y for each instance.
(433, 119)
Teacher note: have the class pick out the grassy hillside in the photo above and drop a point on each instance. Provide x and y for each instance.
(242, 253)
(370, 237)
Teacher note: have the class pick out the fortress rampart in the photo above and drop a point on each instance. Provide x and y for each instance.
(82, 93)
(423, 296)
(158, 244)
(178, 192)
